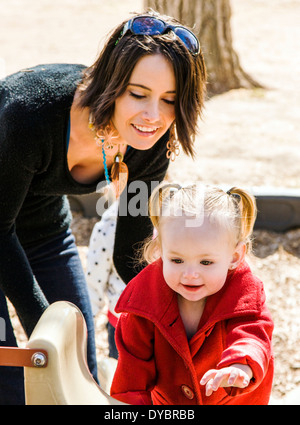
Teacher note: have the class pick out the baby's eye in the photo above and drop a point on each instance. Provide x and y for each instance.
(176, 261)
(206, 262)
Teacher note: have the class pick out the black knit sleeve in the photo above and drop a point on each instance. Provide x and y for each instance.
(146, 170)
(18, 163)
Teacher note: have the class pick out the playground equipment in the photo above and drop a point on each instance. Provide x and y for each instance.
(54, 361)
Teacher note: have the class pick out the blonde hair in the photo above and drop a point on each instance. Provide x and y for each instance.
(235, 210)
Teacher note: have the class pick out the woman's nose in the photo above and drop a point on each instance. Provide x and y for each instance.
(151, 112)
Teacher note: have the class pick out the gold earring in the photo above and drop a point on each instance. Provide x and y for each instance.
(119, 170)
(108, 134)
(173, 144)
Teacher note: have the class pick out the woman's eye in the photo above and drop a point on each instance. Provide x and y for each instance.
(169, 102)
(137, 96)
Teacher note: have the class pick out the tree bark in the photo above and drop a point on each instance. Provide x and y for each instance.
(210, 21)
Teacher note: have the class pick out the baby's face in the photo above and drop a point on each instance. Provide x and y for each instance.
(196, 259)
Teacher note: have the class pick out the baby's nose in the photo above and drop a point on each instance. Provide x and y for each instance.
(191, 274)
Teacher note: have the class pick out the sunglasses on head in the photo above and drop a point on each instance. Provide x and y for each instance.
(148, 25)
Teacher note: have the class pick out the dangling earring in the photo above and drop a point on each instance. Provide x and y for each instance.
(119, 170)
(108, 134)
(173, 144)
(119, 174)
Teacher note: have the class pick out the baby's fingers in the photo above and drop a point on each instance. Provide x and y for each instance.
(238, 378)
(210, 374)
(212, 379)
(209, 388)
(220, 380)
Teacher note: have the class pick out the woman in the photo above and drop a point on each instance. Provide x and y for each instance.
(140, 86)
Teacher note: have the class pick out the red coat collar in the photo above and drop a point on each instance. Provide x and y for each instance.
(148, 295)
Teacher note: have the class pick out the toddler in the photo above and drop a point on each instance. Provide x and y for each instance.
(194, 327)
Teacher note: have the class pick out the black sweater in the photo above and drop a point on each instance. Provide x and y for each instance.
(35, 179)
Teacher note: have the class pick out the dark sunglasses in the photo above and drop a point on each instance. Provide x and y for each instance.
(147, 25)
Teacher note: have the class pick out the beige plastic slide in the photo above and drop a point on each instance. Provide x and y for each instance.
(65, 380)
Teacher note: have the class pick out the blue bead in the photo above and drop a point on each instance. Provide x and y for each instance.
(105, 165)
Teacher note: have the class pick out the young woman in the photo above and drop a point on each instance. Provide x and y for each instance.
(148, 80)
(194, 325)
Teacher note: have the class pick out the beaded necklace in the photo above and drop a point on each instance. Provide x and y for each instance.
(119, 170)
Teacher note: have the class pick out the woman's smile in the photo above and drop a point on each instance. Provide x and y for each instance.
(145, 131)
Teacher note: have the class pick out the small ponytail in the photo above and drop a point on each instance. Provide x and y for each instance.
(248, 212)
(159, 195)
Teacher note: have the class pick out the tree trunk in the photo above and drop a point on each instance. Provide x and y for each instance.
(210, 21)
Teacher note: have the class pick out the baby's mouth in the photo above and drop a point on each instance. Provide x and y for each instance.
(192, 288)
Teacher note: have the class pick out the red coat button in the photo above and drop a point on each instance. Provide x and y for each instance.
(187, 392)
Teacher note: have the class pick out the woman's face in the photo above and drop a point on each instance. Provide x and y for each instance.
(146, 109)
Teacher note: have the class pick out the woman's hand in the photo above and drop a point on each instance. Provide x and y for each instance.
(236, 375)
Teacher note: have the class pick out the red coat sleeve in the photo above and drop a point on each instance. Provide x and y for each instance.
(135, 375)
(248, 342)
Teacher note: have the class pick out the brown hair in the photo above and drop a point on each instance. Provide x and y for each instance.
(235, 210)
(108, 78)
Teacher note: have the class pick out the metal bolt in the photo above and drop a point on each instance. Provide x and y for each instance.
(38, 360)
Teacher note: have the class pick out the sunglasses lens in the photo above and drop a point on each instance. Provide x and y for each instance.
(150, 26)
(153, 26)
(189, 40)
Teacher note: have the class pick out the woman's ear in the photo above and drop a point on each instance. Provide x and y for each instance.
(238, 255)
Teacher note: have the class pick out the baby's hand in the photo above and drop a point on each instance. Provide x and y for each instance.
(237, 375)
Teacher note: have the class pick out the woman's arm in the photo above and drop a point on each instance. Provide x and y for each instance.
(17, 168)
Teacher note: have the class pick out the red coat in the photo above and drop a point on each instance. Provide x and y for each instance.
(158, 365)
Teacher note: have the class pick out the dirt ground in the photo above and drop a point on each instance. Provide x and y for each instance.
(247, 138)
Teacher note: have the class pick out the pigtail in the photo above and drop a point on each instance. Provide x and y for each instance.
(248, 212)
(158, 198)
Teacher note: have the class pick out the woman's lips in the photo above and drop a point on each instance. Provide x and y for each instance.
(145, 131)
